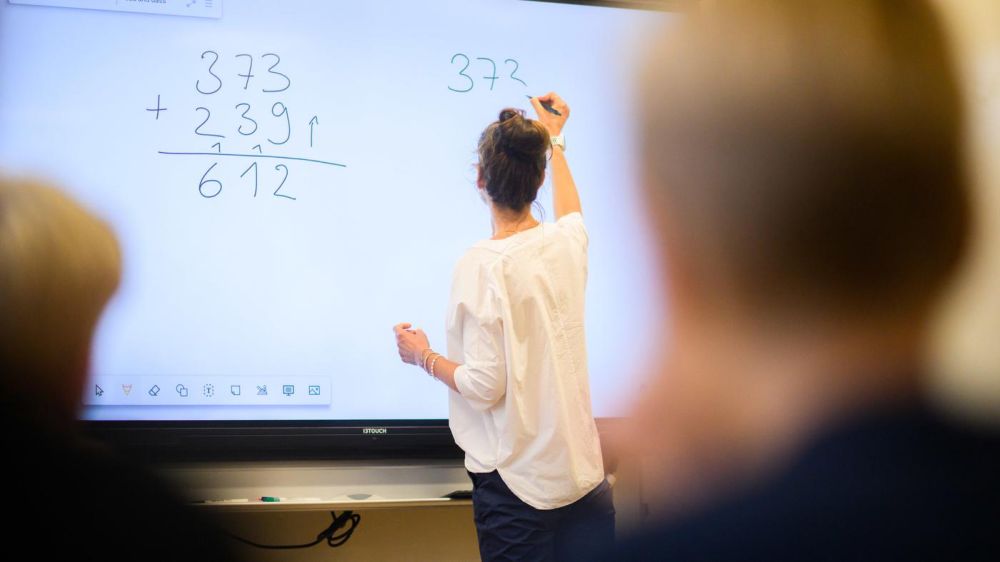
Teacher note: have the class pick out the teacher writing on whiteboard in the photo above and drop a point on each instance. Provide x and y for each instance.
(516, 361)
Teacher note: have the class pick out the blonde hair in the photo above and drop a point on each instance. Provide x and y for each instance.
(59, 266)
(808, 154)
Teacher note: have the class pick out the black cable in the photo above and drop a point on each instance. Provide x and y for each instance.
(333, 540)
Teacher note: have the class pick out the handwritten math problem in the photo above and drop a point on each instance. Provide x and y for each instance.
(465, 82)
(236, 133)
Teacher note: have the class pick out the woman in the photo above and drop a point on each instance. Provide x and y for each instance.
(516, 362)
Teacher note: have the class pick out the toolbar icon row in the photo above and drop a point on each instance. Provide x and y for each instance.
(208, 390)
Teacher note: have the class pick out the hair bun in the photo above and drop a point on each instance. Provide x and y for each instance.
(518, 136)
(512, 157)
(510, 113)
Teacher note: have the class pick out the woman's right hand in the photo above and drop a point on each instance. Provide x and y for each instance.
(411, 343)
(554, 123)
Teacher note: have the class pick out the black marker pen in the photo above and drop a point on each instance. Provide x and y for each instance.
(548, 107)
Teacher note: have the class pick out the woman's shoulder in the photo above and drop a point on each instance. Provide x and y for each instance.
(572, 225)
(478, 260)
(575, 217)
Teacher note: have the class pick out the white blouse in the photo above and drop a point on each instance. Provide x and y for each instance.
(515, 323)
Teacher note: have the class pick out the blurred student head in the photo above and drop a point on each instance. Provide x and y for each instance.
(59, 265)
(803, 167)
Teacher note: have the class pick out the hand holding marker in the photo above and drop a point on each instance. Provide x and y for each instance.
(548, 107)
(552, 112)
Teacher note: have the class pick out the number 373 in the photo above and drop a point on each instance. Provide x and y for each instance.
(464, 82)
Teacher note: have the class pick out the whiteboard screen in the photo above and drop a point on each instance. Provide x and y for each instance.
(290, 179)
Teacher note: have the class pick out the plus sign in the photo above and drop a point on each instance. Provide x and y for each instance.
(158, 108)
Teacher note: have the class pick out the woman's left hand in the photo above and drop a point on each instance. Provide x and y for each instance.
(411, 343)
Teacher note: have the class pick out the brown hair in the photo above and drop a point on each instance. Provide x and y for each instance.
(810, 153)
(512, 152)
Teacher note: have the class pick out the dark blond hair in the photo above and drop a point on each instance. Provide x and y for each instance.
(59, 265)
(810, 152)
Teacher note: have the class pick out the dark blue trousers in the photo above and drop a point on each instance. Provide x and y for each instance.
(510, 529)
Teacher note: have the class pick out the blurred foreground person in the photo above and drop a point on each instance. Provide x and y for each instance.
(73, 499)
(803, 167)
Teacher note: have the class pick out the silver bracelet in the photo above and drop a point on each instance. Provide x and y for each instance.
(433, 361)
(423, 357)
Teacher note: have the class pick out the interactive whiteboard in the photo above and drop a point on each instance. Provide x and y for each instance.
(290, 179)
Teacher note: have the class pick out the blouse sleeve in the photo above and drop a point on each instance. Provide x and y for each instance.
(571, 224)
(482, 378)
